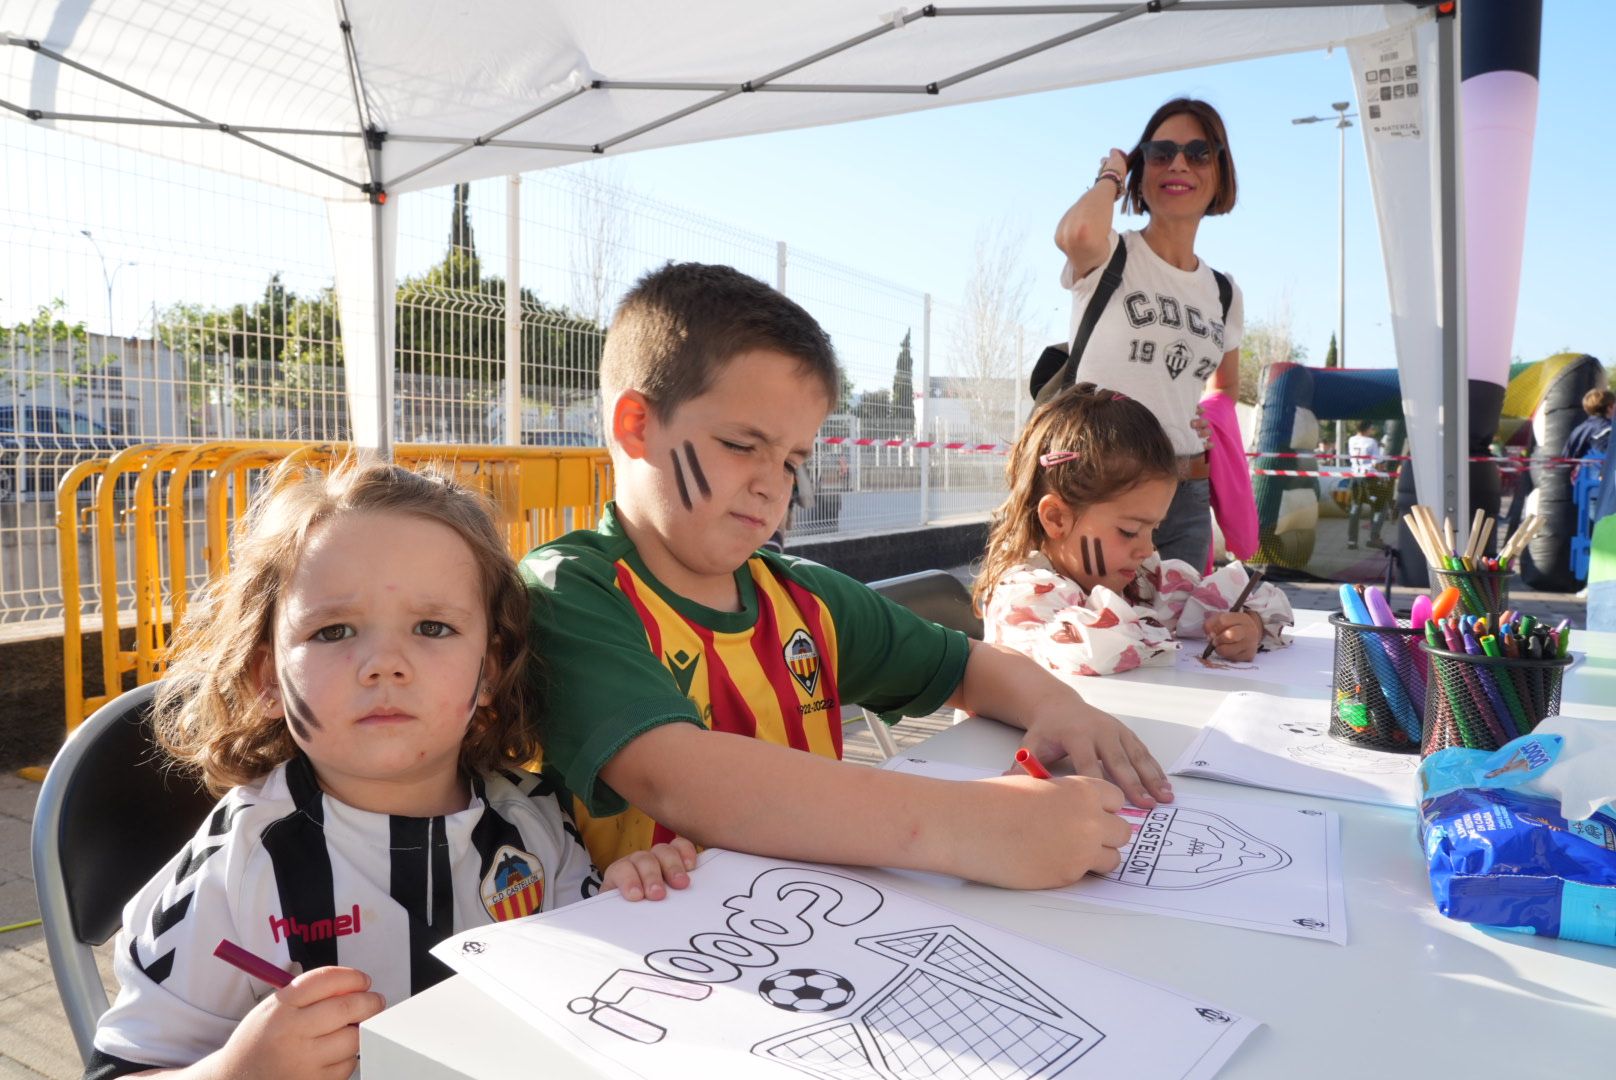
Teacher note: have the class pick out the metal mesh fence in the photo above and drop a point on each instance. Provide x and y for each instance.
(142, 301)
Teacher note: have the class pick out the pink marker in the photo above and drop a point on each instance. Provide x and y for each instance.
(251, 963)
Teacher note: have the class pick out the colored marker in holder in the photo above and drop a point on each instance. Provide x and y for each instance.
(1379, 692)
(1481, 701)
(1481, 591)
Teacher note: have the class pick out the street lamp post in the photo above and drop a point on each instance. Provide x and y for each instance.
(1343, 122)
(112, 330)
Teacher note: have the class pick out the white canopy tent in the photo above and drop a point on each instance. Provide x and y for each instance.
(359, 101)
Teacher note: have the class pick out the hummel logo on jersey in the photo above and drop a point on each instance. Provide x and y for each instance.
(803, 660)
(683, 666)
(318, 930)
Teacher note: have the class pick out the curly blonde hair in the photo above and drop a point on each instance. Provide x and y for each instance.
(1117, 443)
(211, 716)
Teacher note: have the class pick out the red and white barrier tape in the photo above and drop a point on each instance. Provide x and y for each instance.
(1557, 461)
(919, 444)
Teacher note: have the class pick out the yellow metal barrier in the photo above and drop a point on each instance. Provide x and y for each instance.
(68, 524)
(538, 493)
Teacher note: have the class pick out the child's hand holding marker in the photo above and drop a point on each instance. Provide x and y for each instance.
(306, 1028)
(1078, 830)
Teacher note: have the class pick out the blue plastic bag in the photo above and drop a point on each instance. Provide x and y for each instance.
(1507, 858)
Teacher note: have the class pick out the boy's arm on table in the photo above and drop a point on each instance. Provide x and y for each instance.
(741, 793)
(1001, 683)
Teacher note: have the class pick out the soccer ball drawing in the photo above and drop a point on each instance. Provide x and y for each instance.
(806, 990)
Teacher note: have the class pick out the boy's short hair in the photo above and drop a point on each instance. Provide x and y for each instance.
(1597, 402)
(681, 323)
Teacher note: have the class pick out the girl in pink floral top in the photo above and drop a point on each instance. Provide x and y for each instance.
(1071, 576)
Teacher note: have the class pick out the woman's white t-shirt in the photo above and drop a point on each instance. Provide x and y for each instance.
(1161, 337)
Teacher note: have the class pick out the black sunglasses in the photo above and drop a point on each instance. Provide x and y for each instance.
(1163, 151)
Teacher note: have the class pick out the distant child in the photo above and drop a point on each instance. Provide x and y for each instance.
(697, 682)
(1071, 577)
(356, 682)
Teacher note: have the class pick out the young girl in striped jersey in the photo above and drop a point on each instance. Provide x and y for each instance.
(354, 686)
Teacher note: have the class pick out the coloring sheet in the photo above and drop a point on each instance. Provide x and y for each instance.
(1309, 660)
(1253, 865)
(762, 969)
(1284, 744)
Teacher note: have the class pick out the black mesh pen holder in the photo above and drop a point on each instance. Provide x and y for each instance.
(1482, 702)
(1481, 592)
(1378, 694)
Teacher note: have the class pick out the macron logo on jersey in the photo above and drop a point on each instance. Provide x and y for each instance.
(318, 930)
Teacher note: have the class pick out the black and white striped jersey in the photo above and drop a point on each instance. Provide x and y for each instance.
(306, 881)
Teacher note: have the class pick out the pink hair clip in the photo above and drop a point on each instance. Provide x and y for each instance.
(1056, 457)
(1117, 395)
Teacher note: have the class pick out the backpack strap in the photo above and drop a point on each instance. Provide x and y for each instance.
(1110, 279)
(1225, 292)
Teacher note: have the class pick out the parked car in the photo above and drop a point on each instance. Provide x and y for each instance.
(38, 443)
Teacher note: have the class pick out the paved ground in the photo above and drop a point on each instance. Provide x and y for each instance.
(34, 1037)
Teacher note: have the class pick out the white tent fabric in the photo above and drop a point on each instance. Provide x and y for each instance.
(435, 75)
(1408, 185)
(284, 91)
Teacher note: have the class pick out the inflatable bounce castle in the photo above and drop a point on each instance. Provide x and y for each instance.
(1537, 410)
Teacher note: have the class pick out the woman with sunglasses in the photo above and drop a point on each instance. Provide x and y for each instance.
(1170, 332)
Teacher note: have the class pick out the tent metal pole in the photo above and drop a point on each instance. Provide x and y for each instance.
(36, 114)
(770, 88)
(1455, 375)
(519, 144)
(1061, 39)
(923, 417)
(605, 144)
(483, 140)
(755, 84)
(384, 355)
(841, 88)
(197, 125)
(1111, 9)
(513, 310)
(382, 305)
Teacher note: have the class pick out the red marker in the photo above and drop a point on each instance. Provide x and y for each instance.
(1029, 761)
(251, 963)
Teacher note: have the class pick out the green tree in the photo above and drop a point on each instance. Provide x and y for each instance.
(1265, 342)
(40, 337)
(844, 391)
(903, 389)
(285, 350)
(874, 412)
(1331, 360)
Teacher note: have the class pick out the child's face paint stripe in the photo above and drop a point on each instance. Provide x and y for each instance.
(696, 473)
(1099, 556)
(1083, 545)
(477, 686)
(299, 717)
(679, 478)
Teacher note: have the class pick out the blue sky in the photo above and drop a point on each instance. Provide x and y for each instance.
(904, 197)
